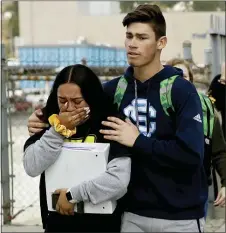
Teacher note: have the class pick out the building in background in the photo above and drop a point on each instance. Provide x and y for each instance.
(98, 7)
(60, 22)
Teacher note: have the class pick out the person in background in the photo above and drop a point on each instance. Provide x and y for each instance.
(217, 91)
(218, 150)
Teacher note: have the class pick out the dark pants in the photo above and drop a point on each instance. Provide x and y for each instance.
(83, 222)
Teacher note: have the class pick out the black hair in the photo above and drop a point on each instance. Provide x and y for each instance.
(147, 13)
(218, 92)
(91, 89)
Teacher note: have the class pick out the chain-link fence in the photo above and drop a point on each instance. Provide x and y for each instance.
(20, 192)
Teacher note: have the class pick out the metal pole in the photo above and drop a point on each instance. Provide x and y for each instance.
(215, 54)
(11, 41)
(208, 63)
(4, 145)
(32, 30)
(187, 54)
(223, 49)
(215, 34)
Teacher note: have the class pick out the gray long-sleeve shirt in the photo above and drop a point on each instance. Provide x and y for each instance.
(110, 185)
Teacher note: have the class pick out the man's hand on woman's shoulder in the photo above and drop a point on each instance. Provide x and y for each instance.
(35, 124)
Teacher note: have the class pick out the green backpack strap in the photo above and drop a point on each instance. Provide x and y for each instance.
(211, 115)
(207, 107)
(165, 94)
(208, 115)
(120, 90)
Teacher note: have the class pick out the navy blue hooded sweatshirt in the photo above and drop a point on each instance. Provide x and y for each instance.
(167, 179)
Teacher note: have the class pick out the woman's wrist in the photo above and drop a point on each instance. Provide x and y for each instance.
(61, 129)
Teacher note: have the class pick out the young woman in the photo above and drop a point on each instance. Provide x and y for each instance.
(75, 108)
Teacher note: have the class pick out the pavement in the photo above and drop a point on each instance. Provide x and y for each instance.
(21, 228)
(216, 225)
(215, 222)
(212, 225)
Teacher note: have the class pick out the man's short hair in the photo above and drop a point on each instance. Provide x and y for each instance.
(147, 14)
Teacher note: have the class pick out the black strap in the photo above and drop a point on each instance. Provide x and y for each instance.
(80, 207)
(199, 227)
(208, 118)
(86, 135)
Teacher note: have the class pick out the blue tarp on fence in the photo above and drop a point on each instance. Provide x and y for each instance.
(60, 56)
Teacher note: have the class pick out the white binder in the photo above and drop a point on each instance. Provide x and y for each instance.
(79, 162)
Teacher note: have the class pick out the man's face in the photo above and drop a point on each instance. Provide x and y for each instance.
(141, 44)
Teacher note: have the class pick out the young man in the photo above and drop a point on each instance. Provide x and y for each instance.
(215, 151)
(168, 187)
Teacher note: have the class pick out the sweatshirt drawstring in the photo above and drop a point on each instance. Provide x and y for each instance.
(136, 108)
(136, 104)
(147, 111)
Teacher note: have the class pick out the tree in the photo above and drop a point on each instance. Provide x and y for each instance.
(197, 5)
(127, 6)
(10, 26)
(14, 21)
(208, 5)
